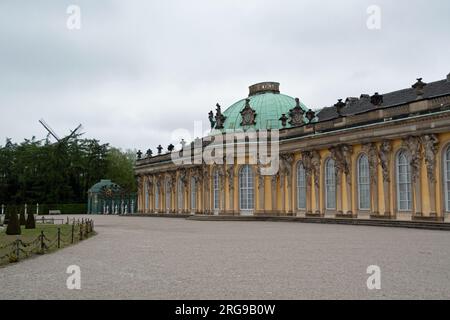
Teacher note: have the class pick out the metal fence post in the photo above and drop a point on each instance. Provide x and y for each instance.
(73, 230)
(81, 232)
(59, 238)
(42, 242)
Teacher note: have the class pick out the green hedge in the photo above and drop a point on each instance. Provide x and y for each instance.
(65, 208)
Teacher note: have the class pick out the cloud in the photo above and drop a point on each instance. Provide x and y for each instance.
(137, 70)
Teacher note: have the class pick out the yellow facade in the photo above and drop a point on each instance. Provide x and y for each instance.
(416, 131)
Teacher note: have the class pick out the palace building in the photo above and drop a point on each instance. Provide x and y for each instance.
(377, 156)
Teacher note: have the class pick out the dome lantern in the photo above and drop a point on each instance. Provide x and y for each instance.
(264, 87)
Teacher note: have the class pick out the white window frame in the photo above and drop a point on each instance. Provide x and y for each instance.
(246, 189)
(180, 202)
(156, 198)
(168, 196)
(330, 177)
(193, 194)
(408, 183)
(301, 186)
(363, 179)
(216, 191)
(446, 171)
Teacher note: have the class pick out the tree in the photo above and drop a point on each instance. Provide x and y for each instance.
(121, 168)
(37, 171)
(13, 226)
(22, 220)
(31, 223)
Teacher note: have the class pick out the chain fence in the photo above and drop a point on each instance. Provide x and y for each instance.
(18, 249)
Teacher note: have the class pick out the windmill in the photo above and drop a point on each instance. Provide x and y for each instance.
(52, 132)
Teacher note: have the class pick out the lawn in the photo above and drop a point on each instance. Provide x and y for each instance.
(31, 240)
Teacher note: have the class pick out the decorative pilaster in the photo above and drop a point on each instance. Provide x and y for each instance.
(372, 155)
(286, 161)
(315, 165)
(274, 192)
(307, 165)
(336, 154)
(261, 188)
(414, 147)
(221, 172)
(430, 146)
(158, 201)
(150, 185)
(230, 175)
(184, 186)
(347, 152)
(384, 154)
(206, 191)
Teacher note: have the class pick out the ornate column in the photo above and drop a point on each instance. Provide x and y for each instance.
(307, 165)
(413, 146)
(221, 188)
(384, 154)
(173, 191)
(184, 188)
(205, 189)
(230, 174)
(282, 194)
(430, 146)
(315, 165)
(189, 192)
(347, 152)
(286, 161)
(372, 155)
(150, 184)
(274, 192)
(336, 154)
(158, 187)
(261, 188)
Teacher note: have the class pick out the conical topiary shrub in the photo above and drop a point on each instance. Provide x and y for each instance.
(31, 223)
(22, 219)
(13, 225)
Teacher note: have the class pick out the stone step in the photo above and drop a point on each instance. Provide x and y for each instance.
(362, 222)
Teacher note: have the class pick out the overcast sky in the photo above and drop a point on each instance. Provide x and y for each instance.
(137, 70)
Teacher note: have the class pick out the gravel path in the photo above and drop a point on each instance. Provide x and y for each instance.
(160, 258)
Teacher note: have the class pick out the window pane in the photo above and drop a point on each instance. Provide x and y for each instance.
(193, 194)
(330, 185)
(216, 190)
(404, 195)
(301, 187)
(157, 198)
(246, 188)
(363, 183)
(447, 181)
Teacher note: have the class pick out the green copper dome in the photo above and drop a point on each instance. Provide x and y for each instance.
(269, 106)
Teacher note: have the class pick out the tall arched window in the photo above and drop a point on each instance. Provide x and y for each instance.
(246, 188)
(301, 187)
(404, 194)
(447, 179)
(216, 190)
(157, 197)
(330, 185)
(167, 192)
(193, 194)
(363, 183)
(180, 194)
